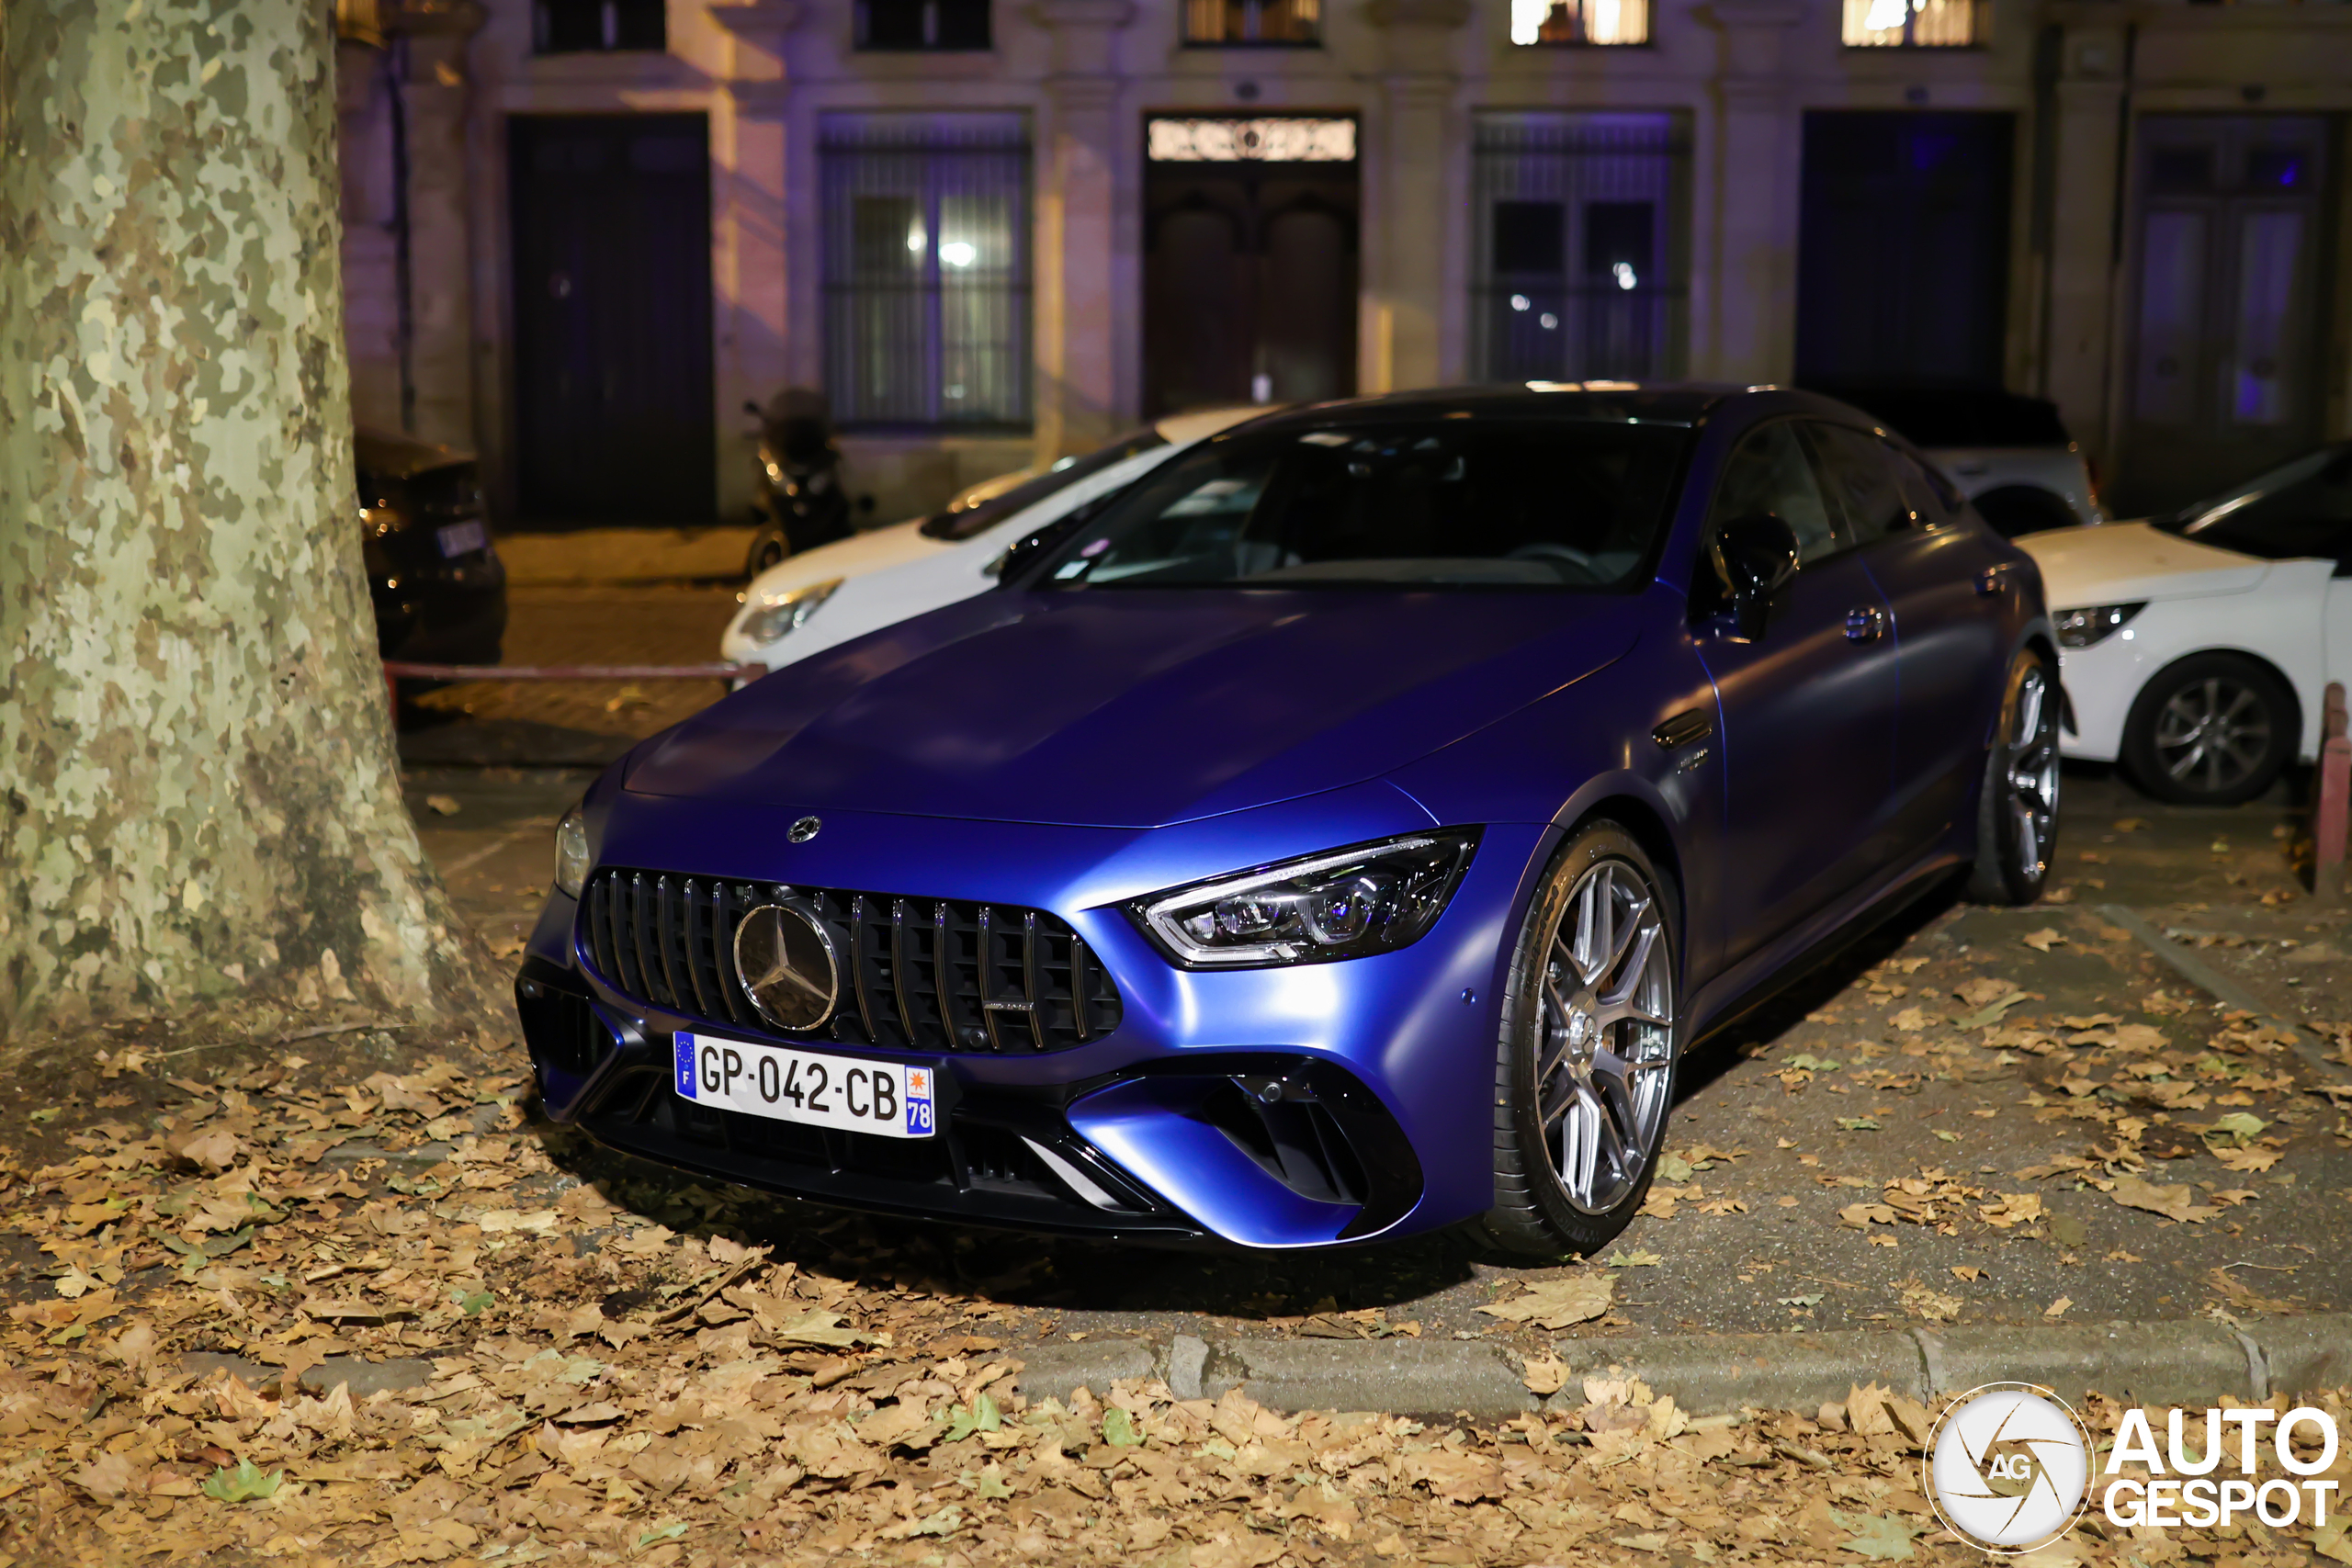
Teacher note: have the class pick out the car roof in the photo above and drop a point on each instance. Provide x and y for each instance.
(1679, 402)
(1198, 424)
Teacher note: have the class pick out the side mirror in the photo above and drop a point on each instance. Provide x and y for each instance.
(1758, 556)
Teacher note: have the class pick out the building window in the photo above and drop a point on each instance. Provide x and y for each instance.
(922, 24)
(1579, 21)
(589, 27)
(1917, 24)
(1252, 22)
(926, 274)
(1581, 271)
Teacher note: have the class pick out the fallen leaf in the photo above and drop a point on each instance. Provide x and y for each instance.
(1558, 1303)
(1546, 1373)
(2058, 1308)
(1887, 1537)
(1858, 1123)
(443, 805)
(1967, 1271)
(2173, 1202)
(2044, 940)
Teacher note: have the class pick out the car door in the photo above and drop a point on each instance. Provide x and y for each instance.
(1947, 632)
(1806, 712)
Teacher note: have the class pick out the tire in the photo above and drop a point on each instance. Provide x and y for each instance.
(2017, 803)
(1550, 1000)
(2014, 511)
(2212, 729)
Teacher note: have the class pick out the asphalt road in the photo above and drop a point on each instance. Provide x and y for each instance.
(2013, 1138)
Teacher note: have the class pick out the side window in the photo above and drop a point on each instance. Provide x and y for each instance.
(1934, 498)
(1770, 472)
(1863, 479)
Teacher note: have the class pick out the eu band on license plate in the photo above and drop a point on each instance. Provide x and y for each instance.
(842, 1092)
(463, 539)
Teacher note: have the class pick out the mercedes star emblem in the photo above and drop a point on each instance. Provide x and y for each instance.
(804, 830)
(784, 961)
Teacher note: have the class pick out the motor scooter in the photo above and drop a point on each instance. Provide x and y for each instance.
(799, 500)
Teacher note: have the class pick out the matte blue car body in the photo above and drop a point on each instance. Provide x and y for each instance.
(1069, 752)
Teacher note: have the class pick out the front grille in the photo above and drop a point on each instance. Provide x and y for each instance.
(920, 974)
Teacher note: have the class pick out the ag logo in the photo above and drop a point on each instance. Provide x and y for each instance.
(2008, 1467)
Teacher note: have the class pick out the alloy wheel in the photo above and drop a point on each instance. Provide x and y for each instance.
(1601, 1076)
(2033, 743)
(2212, 734)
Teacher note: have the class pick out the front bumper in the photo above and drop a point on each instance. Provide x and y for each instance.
(1308, 1106)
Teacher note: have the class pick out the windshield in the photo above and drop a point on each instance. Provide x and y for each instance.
(977, 520)
(2302, 508)
(1489, 502)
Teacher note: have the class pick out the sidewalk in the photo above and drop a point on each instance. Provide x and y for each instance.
(615, 557)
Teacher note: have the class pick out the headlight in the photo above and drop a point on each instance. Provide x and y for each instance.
(781, 612)
(2089, 627)
(1363, 899)
(572, 853)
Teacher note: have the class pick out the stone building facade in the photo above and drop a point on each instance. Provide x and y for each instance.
(580, 234)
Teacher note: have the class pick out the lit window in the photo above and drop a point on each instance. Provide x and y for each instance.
(1917, 24)
(926, 271)
(1252, 22)
(1579, 21)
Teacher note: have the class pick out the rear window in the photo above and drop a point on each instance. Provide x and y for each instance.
(979, 519)
(1955, 416)
(1483, 503)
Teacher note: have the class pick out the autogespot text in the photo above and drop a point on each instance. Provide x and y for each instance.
(2183, 1487)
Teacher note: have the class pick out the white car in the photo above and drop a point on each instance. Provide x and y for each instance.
(2012, 456)
(2195, 648)
(828, 595)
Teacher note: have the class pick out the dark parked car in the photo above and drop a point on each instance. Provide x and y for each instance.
(1341, 832)
(438, 585)
(2011, 454)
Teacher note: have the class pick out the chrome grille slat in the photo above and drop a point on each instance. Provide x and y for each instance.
(899, 965)
(1029, 990)
(858, 942)
(988, 975)
(667, 940)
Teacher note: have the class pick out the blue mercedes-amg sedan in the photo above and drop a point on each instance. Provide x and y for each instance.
(1341, 833)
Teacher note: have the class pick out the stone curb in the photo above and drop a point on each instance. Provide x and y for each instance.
(2183, 1362)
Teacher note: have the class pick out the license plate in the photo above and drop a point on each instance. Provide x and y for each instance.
(841, 1092)
(463, 539)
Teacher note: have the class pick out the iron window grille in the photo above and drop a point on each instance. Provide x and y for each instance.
(1581, 256)
(1600, 22)
(1912, 24)
(938, 26)
(1225, 23)
(592, 26)
(926, 276)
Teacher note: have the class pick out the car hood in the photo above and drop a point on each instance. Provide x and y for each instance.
(2122, 562)
(873, 550)
(1134, 708)
(390, 455)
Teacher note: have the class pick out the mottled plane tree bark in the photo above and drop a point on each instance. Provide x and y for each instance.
(199, 809)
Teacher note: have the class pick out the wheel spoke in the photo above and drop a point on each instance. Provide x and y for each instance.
(1619, 1004)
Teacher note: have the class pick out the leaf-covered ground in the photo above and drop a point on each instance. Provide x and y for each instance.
(265, 1320)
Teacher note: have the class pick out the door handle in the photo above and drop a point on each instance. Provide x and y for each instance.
(1866, 625)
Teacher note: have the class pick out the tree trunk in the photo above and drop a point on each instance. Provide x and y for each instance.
(199, 805)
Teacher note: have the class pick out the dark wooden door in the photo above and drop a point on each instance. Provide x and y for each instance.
(2231, 258)
(1249, 283)
(1902, 246)
(612, 388)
